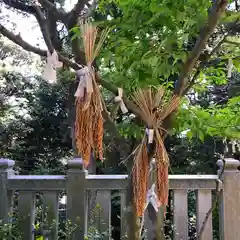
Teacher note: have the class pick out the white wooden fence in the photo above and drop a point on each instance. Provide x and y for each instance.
(77, 182)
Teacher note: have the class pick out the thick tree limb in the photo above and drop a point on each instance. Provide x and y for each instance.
(72, 20)
(48, 5)
(179, 89)
(90, 10)
(53, 32)
(44, 28)
(51, 6)
(19, 5)
(214, 16)
(204, 64)
(59, 13)
(36, 11)
(28, 47)
(48, 29)
(19, 41)
(77, 9)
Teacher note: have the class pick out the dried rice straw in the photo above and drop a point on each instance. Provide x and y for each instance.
(152, 107)
(89, 120)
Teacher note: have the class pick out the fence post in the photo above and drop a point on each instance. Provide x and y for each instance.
(229, 211)
(76, 198)
(6, 169)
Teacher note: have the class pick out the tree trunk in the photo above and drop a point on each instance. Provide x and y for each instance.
(133, 223)
(154, 221)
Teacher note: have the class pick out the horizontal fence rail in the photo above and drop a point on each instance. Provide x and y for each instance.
(59, 182)
(79, 186)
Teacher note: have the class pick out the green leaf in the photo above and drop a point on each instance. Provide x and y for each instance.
(231, 17)
(40, 238)
(189, 135)
(201, 135)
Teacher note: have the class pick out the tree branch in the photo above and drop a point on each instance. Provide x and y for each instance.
(203, 65)
(216, 12)
(206, 61)
(179, 89)
(60, 14)
(72, 20)
(43, 26)
(47, 26)
(74, 14)
(19, 6)
(36, 11)
(90, 10)
(17, 39)
(78, 8)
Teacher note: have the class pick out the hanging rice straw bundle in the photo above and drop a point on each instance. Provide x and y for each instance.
(162, 163)
(89, 120)
(140, 177)
(154, 108)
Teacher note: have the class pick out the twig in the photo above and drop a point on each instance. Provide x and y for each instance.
(215, 204)
(130, 155)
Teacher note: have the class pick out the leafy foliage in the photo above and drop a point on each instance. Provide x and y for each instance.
(150, 40)
(215, 121)
(34, 128)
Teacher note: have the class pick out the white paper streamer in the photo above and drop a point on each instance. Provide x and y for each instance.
(119, 100)
(152, 198)
(150, 133)
(49, 73)
(85, 81)
(230, 67)
(152, 165)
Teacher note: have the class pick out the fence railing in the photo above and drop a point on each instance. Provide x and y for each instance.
(77, 183)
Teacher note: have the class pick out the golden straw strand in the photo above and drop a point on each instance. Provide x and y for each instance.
(140, 179)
